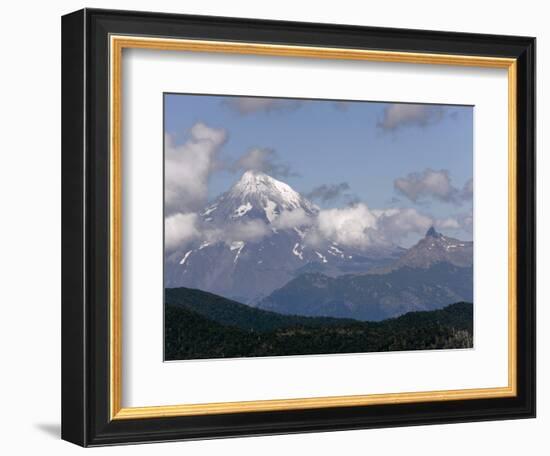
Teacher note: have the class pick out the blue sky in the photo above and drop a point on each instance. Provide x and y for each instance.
(385, 155)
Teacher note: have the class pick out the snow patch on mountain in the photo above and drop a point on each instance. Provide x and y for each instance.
(184, 259)
(322, 257)
(270, 209)
(335, 251)
(242, 209)
(238, 246)
(254, 183)
(209, 209)
(297, 252)
(300, 232)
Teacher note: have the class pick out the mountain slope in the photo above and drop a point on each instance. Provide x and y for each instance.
(231, 313)
(435, 272)
(373, 296)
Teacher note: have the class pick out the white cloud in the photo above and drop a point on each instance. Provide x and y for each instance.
(428, 183)
(353, 226)
(448, 223)
(249, 231)
(328, 192)
(397, 223)
(360, 227)
(182, 229)
(179, 229)
(460, 222)
(356, 227)
(188, 166)
(290, 219)
(468, 190)
(264, 160)
(465, 222)
(250, 105)
(399, 115)
(434, 184)
(252, 230)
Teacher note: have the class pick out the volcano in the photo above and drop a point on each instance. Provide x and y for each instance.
(258, 242)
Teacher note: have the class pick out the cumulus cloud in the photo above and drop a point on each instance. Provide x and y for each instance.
(248, 231)
(326, 192)
(434, 184)
(447, 223)
(264, 160)
(398, 115)
(353, 226)
(357, 227)
(459, 222)
(462, 222)
(468, 190)
(360, 227)
(428, 183)
(180, 229)
(251, 105)
(290, 219)
(397, 223)
(188, 166)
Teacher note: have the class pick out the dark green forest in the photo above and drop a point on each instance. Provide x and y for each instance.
(202, 325)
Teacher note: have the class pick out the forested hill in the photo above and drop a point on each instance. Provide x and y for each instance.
(232, 313)
(203, 325)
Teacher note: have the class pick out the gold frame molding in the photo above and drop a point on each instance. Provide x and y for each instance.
(117, 44)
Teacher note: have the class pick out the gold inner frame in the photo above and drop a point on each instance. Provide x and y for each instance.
(117, 44)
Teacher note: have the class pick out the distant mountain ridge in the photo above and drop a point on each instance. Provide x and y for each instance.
(437, 271)
(373, 297)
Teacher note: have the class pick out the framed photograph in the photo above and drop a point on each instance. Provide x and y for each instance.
(277, 227)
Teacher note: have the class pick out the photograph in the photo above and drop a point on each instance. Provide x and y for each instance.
(316, 226)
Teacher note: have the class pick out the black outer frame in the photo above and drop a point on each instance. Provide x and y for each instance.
(85, 227)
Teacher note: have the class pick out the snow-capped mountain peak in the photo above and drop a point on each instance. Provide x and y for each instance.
(258, 187)
(257, 196)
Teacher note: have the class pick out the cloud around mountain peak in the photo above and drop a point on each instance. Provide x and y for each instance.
(258, 205)
(189, 166)
(263, 160)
